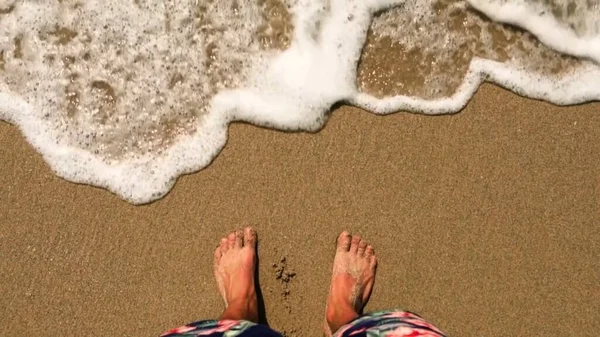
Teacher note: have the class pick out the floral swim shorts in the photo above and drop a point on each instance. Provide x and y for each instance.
(392, 323)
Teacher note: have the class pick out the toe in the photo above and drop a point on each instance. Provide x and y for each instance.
(354, 244)
(362, 246)
(223, 246)
(239, 239)
(250, 237)
(343, 242)
(373, 263)
(369, 252)
(231, 240)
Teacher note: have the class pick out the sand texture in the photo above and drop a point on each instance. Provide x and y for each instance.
(486, 223)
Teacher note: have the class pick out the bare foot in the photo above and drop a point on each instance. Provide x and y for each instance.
(351, 283)
(235, 265)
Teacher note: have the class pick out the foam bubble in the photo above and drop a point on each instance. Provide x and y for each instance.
(571, 27)
(452, 49)
(129, 95)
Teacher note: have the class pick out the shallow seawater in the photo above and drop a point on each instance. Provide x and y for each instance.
(119, 79)
(128, 95)
(430, 57)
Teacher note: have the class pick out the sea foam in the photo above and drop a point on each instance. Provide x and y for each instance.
(131, 95)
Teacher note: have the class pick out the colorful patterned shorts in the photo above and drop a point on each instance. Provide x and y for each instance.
(378, 324)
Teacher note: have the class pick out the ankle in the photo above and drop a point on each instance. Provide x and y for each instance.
(241, 297)
(245, 309)
(339, 315)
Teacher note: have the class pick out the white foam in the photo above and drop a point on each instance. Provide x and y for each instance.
(291, 90)
(574, 86)
(582, 85)
(581, 39)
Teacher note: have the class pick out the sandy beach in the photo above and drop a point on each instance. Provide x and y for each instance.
(485, 223)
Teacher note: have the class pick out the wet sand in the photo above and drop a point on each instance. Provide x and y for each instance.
(485, 223)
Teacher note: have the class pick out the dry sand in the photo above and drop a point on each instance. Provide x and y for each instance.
(485, 222)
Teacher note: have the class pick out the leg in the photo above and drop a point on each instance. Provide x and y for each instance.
(234, 267)
(351, 283)
(396, 323)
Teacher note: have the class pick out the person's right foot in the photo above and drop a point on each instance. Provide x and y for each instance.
(352, 281)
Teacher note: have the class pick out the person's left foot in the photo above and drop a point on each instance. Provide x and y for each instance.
(234, 267)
